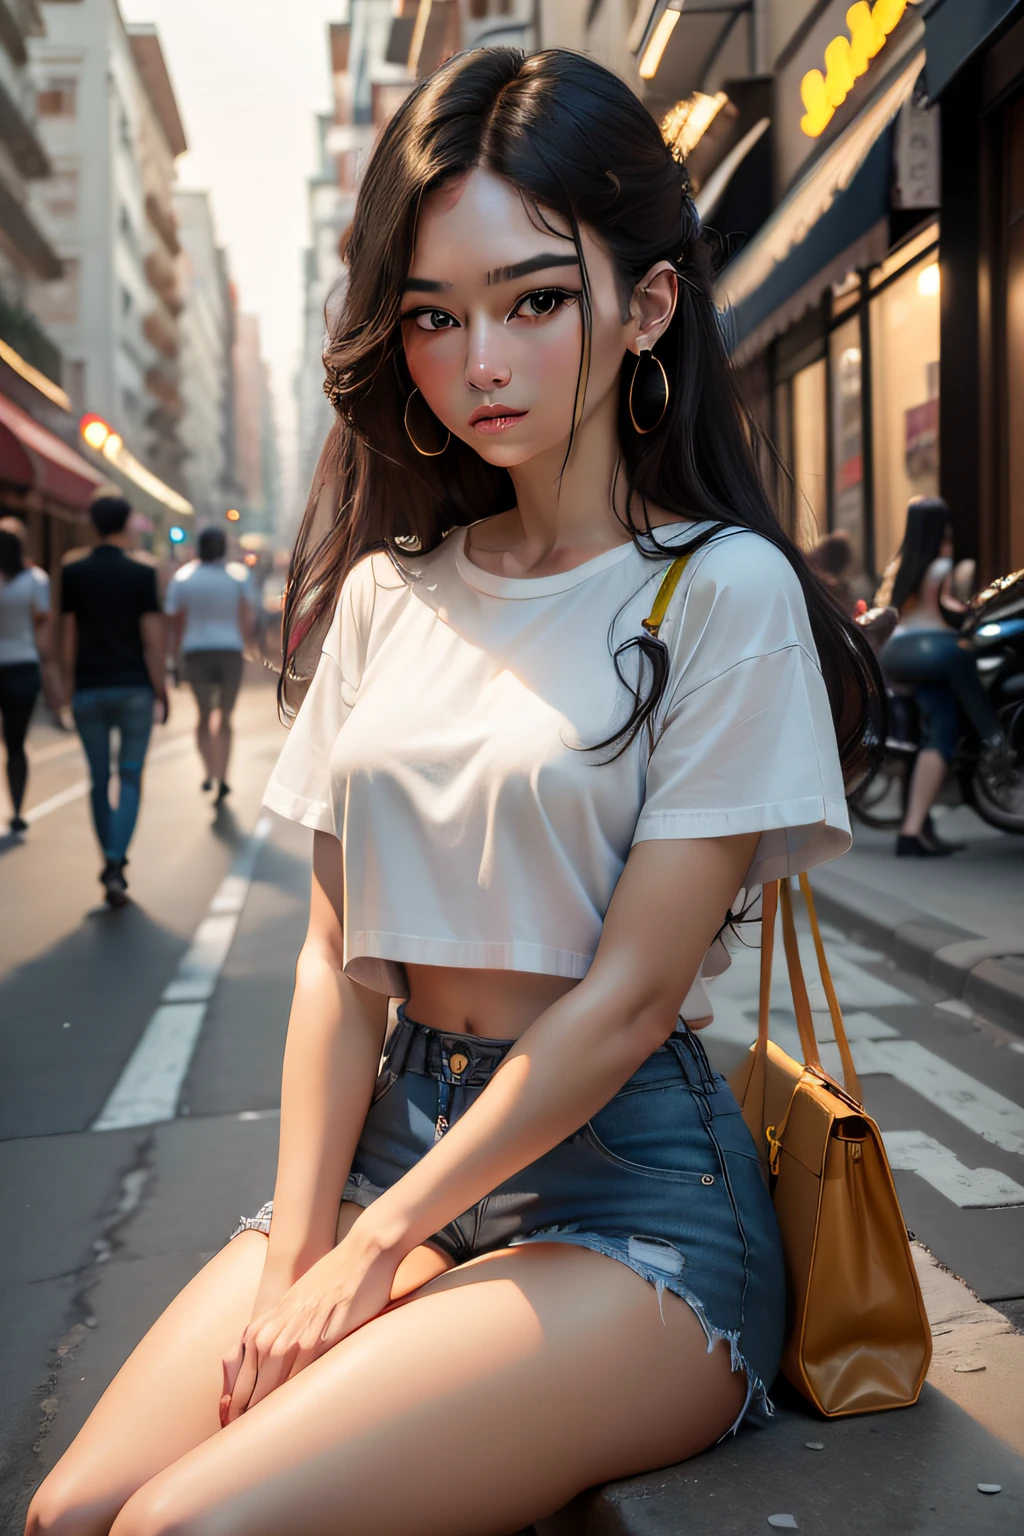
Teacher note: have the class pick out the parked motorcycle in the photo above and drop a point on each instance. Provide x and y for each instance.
(993, 629)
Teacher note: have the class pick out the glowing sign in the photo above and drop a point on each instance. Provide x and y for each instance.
(846, 59)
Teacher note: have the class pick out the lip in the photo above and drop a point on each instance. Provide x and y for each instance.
(495, 418)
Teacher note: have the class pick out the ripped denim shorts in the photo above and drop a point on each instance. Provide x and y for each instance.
(665, 1179)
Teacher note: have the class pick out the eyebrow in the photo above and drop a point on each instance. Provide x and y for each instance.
(499, 275)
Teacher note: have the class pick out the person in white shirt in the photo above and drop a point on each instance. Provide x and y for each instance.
(25, 636)
(574, 688)
(211, 608)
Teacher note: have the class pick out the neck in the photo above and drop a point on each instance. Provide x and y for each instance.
(117, 540)
(571, 513)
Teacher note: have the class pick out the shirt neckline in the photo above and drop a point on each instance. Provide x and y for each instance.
(545, 586)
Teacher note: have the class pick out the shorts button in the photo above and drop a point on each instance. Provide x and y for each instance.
(707, 1178)
(458, 1064)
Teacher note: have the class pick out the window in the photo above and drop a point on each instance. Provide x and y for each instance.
(809, 432)
(57, 303)
(905, 399)
(58, 97)
(58, 194)
(847, 437)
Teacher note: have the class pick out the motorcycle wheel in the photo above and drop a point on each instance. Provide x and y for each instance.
(879, 803)
(1004, 808)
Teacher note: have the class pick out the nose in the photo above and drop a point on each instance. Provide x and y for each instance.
(486, 370)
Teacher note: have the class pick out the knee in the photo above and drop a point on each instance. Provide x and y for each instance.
(155, 1510)
(61, 1507)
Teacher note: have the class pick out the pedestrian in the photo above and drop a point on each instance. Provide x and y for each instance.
(114, 651)
(832, 560)
(924, 653)
(25, 644)
(536, 811)
(212, 622)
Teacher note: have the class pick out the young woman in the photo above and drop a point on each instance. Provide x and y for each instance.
(924, 652)
(25, 634)
(532, 1251)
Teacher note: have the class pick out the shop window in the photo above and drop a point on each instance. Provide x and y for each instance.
(848, 437)
(905, 399)
(808, 435)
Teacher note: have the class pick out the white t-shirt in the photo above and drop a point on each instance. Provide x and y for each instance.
(21, 598)
(440, 742)
(207, 593)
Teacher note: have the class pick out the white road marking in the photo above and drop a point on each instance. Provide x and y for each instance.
(981, 1109)
(81, 787)
(969, 1188)
(147, 1091)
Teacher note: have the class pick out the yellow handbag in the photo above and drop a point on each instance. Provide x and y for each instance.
(857, 1337)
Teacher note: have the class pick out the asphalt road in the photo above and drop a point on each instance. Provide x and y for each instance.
(140, 1053)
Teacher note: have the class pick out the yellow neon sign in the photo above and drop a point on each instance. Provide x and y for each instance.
(846, 59)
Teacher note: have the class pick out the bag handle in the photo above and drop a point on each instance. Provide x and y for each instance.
(770, 901)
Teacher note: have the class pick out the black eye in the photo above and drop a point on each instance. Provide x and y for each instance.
(545, 301)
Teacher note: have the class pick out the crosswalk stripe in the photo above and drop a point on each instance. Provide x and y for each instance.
(981, 1109)
(969, 1188)
(148, 1089)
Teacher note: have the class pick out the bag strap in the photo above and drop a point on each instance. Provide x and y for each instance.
(669, 582)
(851, 1079)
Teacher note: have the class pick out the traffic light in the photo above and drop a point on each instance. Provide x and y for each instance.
(176, 535)
(232, 514)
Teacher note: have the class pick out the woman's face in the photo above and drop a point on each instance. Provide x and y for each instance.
(492, 321)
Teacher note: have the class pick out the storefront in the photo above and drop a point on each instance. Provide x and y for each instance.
(878, 315)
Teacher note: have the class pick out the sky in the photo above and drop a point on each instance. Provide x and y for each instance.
(249, 76)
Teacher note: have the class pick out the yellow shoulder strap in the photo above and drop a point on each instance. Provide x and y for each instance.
(669, 582)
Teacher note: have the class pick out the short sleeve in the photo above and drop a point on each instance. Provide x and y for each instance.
(149, 599)
(300, 785)
(40, 591)
(746, 742)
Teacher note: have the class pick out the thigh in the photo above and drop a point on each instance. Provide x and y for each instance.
(135, 719)
(230, 681)
(18, 696)
(202, 684)
(94, 731)
(496, 1394)
(165, 1398)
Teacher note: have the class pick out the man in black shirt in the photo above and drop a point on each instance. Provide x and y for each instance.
(114, 646)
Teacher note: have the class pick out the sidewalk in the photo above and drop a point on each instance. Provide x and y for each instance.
(958, 922)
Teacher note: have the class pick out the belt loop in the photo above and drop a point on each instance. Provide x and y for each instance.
(400, 1043)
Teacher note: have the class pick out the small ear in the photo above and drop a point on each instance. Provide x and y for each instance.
(652, 305)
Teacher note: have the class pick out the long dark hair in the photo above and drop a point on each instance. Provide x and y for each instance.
(928, 522)
(12, 556)
(576, 142)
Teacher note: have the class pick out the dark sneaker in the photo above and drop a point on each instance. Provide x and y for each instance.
(114, 883)
(18, 824)
(206, 786)
(222, 793)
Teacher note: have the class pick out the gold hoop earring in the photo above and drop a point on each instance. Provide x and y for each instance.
(426, 453)
(651, 397)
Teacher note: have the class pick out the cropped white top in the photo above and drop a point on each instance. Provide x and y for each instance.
(443, 741)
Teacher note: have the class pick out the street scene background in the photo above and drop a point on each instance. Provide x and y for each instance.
(176, 180)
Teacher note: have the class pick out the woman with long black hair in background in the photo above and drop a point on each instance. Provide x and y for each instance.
(25, 638)
(924, 652)
(529, 1250)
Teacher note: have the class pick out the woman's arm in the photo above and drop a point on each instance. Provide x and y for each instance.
(670, 901)
(335, 1037)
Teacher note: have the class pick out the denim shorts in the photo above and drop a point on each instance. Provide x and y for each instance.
(665, 1179)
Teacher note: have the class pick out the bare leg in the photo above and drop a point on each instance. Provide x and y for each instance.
(489, 1400)
(205, 741)
(221, 747)
(926, 781)
(165, 1398)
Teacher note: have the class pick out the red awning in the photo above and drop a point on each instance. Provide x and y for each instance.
(32, 457)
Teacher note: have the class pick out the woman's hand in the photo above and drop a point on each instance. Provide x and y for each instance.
(338, 1294)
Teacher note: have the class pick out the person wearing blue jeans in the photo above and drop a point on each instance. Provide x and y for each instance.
(114, 641)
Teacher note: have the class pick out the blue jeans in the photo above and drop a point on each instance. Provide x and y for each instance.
(97, 712)
(945, 680)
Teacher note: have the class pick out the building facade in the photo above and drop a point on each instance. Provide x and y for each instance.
(256, 456)
(110, 126)
(206, 327)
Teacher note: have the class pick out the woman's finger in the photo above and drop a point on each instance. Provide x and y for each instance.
(230, 1367)
(245, 1381)
(274, 1367)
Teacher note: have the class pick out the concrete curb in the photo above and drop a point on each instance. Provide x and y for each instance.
(988, 973)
